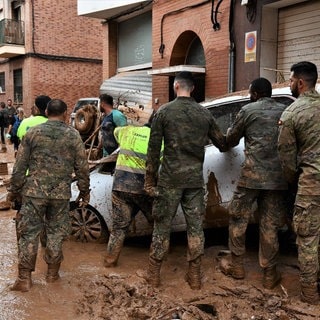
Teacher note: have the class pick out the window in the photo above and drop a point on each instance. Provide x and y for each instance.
(17, 85)
(2, 82)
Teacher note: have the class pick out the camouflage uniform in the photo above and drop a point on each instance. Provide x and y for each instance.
(299, 150)
(51, 152)
(261, 179)
(185, 127)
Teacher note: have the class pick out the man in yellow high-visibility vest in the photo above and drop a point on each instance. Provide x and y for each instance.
(128, 194)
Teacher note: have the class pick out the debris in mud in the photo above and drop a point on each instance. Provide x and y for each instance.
(115, 297)
(131, 298)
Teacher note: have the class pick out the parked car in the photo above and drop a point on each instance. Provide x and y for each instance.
(220, 171)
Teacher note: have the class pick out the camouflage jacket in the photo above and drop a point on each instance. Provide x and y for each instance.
(185, 128)
(50, 152)
(257, 122)
(299, 143)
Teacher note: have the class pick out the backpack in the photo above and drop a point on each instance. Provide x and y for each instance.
(16, 125)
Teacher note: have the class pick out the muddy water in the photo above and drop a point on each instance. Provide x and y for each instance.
(87, 290)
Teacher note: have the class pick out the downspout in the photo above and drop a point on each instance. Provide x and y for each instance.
(232, 50)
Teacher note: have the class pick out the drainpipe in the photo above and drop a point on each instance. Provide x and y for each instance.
(231, 67)
(232, 49)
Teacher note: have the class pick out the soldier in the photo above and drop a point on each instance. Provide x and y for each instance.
(261, 181)
(185, 127)
(299, 150)
(50, 152)
(128, 194)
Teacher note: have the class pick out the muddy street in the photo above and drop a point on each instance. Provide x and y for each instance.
(87, 290)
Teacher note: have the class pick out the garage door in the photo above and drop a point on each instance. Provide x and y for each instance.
(298, 34)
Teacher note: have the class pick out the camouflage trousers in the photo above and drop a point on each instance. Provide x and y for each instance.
(271, 205)
(34, 216)
(164, 210)
(125, 206)
(306, 224)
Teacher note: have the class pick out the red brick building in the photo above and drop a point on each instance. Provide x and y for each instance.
(46, 48)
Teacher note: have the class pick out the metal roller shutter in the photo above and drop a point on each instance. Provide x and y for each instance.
(299, 34)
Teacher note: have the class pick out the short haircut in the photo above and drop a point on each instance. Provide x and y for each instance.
(305, 70)
(106, 99)
(262, 87)
(56, 107)
(41, 103)
(186, 80)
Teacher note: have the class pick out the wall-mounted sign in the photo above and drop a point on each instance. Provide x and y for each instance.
(250, 46)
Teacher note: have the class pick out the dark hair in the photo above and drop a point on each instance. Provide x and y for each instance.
(106, 99)
(185, 78)
(41, 103)
(2, 104)
(305, 70)
(150, 120)
(262, 87)
(56, 107)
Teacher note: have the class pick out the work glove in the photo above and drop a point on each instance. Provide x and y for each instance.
(8, 136)
(83, 199)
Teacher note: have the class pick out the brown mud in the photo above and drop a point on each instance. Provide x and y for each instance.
(87, 290)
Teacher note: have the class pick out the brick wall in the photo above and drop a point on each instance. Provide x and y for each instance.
(58, 31)
(215, 44)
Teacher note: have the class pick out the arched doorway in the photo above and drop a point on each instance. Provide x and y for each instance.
(188, 50)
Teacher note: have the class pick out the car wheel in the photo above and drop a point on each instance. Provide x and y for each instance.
(87, 224)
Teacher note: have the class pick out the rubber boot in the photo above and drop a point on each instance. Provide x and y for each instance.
(23, 282)
(309, 293)
(152, 275)
(112, 257)
(53, 272)
(235, 268)
(271, 277)
(193, 276)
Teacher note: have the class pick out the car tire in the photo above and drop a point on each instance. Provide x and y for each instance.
(83, 121)
(87, 224)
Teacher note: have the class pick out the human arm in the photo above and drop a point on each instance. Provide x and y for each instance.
(287, 148)
(81, 168)
(119, 119)
(217, 137)
(236, 131)
(153, 156)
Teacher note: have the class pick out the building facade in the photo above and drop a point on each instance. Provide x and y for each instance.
(47, 48)
(226, 44)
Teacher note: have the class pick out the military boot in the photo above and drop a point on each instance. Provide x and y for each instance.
(53, 272)
(23, 282)
(271, 277)
(193, 276)
(233, 268)
(112, 257)
(309, 293)
(152, 275)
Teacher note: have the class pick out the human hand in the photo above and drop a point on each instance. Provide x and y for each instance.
(83, 199)
(8, 136)
(14, 196)
(150, 190)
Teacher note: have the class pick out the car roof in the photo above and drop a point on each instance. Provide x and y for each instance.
(282, 89)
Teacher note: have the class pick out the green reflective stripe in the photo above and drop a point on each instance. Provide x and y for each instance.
(133, 154)
(133, 162)
(130, 169)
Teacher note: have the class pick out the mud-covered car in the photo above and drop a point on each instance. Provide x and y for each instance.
(220, 172)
